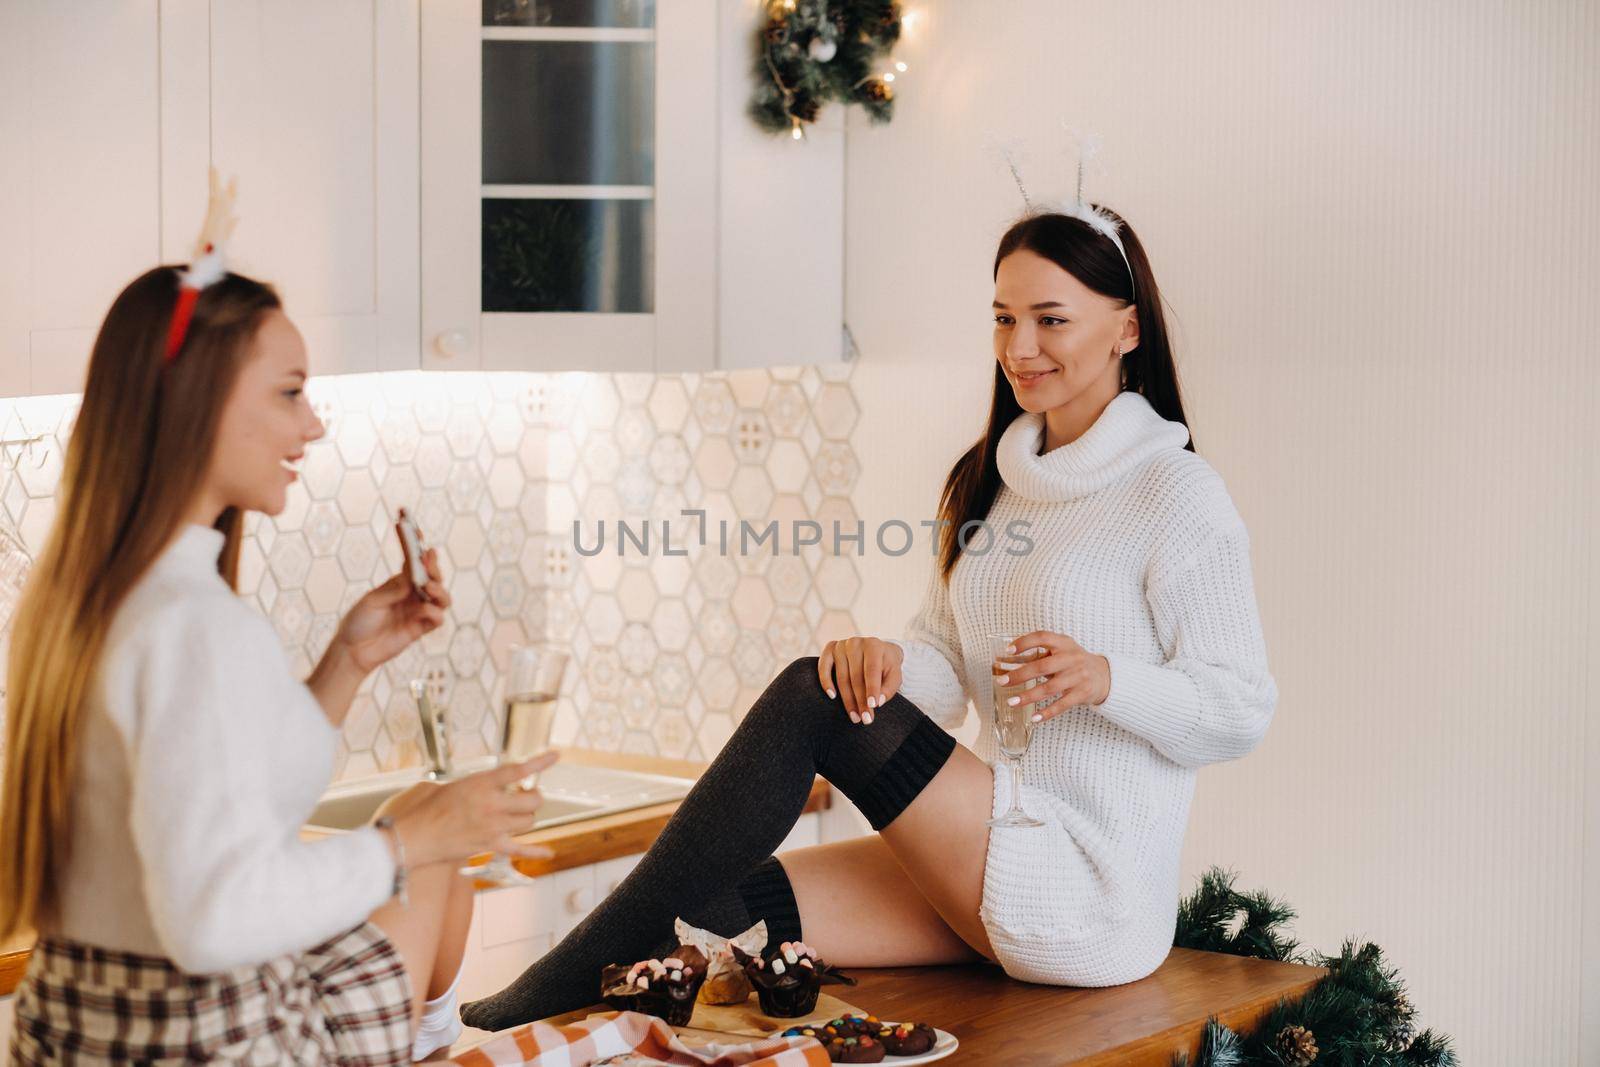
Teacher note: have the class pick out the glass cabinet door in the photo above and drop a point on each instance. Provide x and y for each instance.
(568, 158)
(552, 130)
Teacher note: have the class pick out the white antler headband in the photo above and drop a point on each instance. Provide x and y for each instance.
(1097, 219)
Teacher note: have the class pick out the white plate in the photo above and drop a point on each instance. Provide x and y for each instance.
(944, 1044)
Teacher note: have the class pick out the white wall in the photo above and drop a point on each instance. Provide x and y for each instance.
(1375, 228)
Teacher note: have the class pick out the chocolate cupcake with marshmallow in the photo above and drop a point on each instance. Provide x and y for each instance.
(788, 978)
(665, 988)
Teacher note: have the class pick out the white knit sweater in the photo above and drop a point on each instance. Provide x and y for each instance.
(1139, 555)
(200, 758)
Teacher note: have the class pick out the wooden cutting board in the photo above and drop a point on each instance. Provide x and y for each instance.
(717, 1022)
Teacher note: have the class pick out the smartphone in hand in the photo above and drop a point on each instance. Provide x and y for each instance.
(412, 548)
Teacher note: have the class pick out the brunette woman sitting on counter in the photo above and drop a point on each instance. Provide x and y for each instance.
(161, 757)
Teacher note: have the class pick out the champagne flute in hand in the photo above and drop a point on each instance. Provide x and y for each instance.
(1013, 726)
(528, 692)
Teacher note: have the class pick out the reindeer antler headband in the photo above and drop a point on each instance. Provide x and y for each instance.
(1097, 219)
(209, 263)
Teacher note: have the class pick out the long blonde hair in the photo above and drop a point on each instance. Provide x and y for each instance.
(139, 451)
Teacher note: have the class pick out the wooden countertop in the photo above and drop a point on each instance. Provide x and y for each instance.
(577, 844)
(13, 961)
(1141, 1024)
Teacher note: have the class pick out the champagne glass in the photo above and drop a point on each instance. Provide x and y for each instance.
(528, 697)
(1013, 726)
(429, 693)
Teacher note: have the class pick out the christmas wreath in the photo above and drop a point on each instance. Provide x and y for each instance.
(1358, 1014)
(813, 51)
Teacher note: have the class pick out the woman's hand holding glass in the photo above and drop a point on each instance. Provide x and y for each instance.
(469, 816)
(1072, 675)
(529, 687)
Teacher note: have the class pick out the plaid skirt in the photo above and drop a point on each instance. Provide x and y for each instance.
(347, 1001)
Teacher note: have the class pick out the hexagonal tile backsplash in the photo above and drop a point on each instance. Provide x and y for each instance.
(668, 649)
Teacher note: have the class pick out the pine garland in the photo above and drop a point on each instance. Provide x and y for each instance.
(1358, 1015)
(1220, 1047)
(814, 51)
(1204, 918)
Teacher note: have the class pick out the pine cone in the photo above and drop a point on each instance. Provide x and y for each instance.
(1399, 1022)
(879, 90)
(805, 108)
(777, 30)
(1296, 1046)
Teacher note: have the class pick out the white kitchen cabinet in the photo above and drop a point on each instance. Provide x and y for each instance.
(311, 104)
(780, 233)
(80, 189)
(595, 198)
(609, 875)
(109, 116)
(314, 106)
(356, 129)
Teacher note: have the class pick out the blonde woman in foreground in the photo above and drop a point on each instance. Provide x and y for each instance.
(161, 757)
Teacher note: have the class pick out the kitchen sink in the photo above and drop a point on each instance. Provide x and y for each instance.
(571, 792)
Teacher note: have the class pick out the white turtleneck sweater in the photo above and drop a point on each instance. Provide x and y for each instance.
(1139, 555)
(200, 758)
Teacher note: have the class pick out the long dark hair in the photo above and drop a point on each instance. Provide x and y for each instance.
(1078, 249)
(139, 450)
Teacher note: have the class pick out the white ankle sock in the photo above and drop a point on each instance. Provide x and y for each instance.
(441, 1023)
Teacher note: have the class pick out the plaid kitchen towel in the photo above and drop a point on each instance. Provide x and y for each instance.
(631, 1039)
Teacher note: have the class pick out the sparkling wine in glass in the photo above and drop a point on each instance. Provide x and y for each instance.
(1013, 726)
(528, 697)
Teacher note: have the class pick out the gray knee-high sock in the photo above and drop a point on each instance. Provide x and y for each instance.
(763, 895)
(738, 812)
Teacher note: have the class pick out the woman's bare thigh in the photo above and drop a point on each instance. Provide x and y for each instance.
(439, 907)
(858, 908)
(911, 894)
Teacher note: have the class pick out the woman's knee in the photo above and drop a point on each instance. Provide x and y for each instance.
(798, 687)
(800, 676)
(794, 699)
